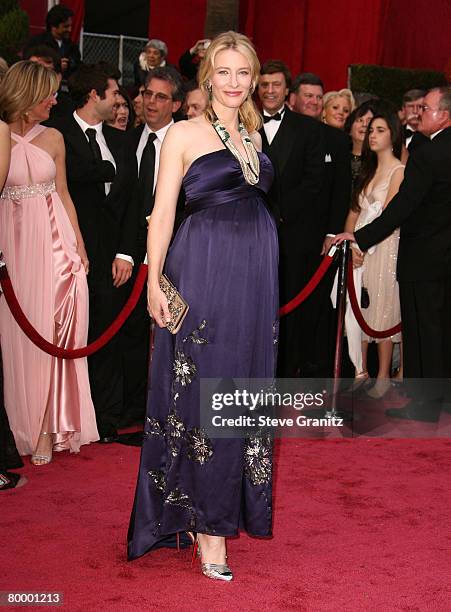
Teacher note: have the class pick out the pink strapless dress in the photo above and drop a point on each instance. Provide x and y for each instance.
(39, 248)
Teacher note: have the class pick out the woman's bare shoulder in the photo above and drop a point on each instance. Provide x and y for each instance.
(53, 135)
(185, 133)
(4, 129)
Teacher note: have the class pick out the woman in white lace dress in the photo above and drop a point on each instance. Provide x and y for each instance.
(379, 181)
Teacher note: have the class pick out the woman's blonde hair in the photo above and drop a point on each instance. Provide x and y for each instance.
(248, 113)
(342, 93)
(3, 68)
(24, 85)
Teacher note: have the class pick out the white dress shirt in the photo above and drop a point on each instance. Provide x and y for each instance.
(272, 127)
(106, 156)
(409, 138)
(436, 134)
(104, 150)
(161, 133)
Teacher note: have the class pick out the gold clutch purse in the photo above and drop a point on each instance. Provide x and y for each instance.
(178, 308)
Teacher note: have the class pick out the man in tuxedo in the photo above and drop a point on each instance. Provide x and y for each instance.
(306, 98)
(294, 144)
(57, 36)
(412, 103)
(162, 97)
(195, 101)
(101, 183)
(422, 209)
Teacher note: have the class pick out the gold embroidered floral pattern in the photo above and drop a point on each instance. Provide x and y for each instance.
(258, 459)
(199, 445)
(184, 368)
(175, 430)
(195, 336)
(178, 498)
(275, 332)
(153, 427)
(158, 478)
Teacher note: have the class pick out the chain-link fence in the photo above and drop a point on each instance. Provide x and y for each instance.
(121, 51)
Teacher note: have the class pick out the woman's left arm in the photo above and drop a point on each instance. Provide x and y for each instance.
(63, 192)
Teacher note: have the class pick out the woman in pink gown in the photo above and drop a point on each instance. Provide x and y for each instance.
(48, 400)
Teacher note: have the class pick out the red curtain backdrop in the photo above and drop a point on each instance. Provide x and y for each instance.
(339, 34)
(309, 35)
(277, 30)
(179, 23)
(36, 11)
(78, 6)
(417, 35)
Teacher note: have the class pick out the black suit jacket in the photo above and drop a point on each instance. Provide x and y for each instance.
(297, 154)
(64, 106)
(109, 224)
(68, 49)
(335, 195)
(422, 209)
(133, 137)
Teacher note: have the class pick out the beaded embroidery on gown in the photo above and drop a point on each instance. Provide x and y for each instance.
(224, 263)
(379, 268)
(39, 248)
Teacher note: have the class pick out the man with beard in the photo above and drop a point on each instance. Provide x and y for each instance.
(102, 184)
(57, 36)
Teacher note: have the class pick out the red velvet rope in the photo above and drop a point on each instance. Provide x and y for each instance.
(372, 333)
(57, 351)
(309, 287)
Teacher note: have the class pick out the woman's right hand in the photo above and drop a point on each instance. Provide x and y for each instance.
(357, 258)
(157, 306)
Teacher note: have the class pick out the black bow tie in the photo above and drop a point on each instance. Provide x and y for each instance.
(408, 133)
(276, 117)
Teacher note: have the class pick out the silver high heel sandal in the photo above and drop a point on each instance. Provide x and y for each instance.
(216, 571)
(38, 458)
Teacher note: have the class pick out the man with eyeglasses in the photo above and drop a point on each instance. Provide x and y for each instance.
(412, 104)
(162, 98)
(422, 209)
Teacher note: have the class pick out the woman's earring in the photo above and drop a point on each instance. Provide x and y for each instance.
(209, 89)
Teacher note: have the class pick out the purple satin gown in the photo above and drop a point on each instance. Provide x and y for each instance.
(223, 261)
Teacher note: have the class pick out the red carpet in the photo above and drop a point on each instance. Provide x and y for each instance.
(359, 525)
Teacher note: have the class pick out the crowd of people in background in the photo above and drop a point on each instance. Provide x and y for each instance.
(339, 159)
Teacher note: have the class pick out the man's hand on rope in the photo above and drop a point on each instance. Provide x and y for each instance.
(339, 238)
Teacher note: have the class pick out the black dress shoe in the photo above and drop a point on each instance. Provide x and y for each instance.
(415, 412)
(132, 439)
(108, 439)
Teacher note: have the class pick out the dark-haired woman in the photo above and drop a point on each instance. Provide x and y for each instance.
(124, 115)
(379, 181)
(356, 126)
